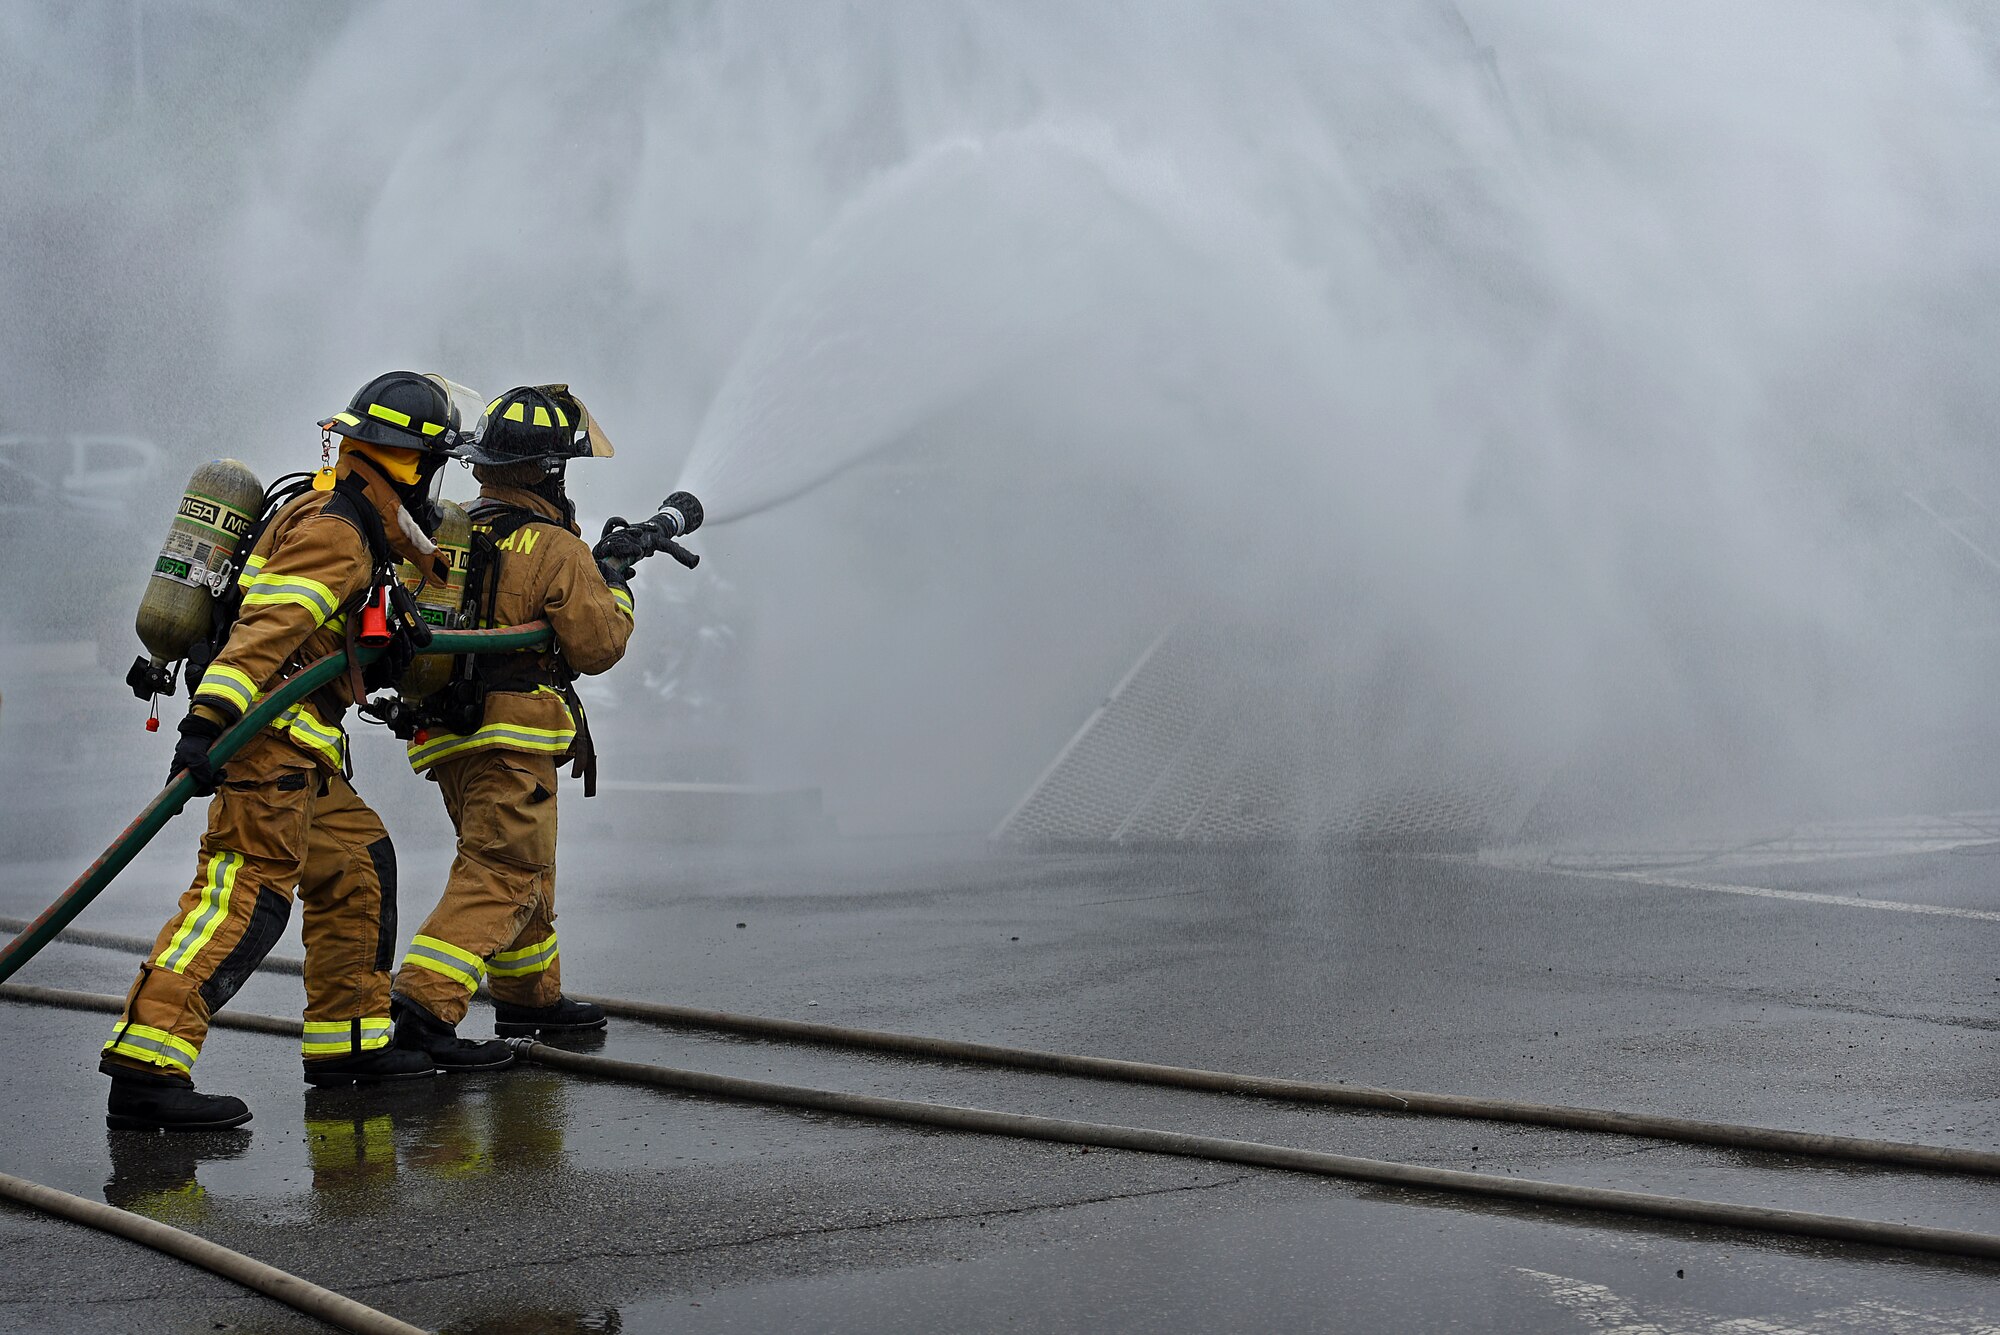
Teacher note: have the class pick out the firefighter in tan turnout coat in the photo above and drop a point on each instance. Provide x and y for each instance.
(494, 743)
(285, 820)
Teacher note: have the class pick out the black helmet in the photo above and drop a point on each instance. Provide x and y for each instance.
(544, 423)
(402, 409)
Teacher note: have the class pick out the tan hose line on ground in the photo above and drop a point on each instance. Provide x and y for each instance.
(289, 1289)
(1950, 1242)
(1416, 1102)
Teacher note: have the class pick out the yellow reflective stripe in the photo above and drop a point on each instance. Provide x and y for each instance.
(514, 413)
(335, 1038)
(147, 1044)
(542, 416)
(279, 587)
(529, 959)
(348, 418)
(495, 404)
(428, 952)
(252, 565)
(388, 414)
(304, 728)
(624, 601)
(433, 428)
(197, 929)
(230, 685)
(512, 736)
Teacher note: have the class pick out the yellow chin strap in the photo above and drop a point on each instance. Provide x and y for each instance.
(398, 464)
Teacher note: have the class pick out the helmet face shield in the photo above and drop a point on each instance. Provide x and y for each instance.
(590, 440)
(433, 483)
(466, 405)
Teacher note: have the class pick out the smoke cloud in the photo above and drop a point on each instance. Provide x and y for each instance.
(1558, 382)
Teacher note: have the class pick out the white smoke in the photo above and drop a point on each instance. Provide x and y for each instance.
(1557, 347)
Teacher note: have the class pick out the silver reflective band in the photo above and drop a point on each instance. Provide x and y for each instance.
(680, 520)
(456, 967)
(127, 1039)
(524, 963)
(280, 586)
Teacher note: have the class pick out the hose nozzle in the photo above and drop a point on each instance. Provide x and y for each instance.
(681, 511)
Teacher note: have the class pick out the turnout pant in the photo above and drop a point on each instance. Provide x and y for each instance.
(279, 825)
(497, 918)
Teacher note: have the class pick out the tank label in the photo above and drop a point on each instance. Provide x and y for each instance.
(216, 515)
(175, 569)
(186, 557)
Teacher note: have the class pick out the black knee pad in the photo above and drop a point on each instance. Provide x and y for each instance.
(383, 854)
(267, 924)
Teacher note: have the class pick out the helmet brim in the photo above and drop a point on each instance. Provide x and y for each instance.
(475, 453)
(384, 433)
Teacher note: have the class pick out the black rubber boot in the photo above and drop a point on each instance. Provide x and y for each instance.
(143, 1101)
(370, 1068)
(417, 1030)
(565, 1017)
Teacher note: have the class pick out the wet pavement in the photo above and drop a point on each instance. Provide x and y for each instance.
(530, 1201)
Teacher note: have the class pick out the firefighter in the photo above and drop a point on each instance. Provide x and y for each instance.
(508, 720)
(285, 820)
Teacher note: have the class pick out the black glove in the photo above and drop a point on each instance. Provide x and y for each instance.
(396, 658)
(191, 754)
(617, 552)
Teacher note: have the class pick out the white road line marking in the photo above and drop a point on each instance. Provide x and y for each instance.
(1720, 888)
(1608, 1312)
(1597, 1306)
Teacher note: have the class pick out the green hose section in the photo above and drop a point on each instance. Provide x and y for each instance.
(175, 795)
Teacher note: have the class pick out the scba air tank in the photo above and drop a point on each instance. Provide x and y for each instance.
(439, 603)
(199, 557)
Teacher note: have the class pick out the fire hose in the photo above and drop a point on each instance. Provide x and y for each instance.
(1151, 1140)
(180, 789)
(1407, 1102)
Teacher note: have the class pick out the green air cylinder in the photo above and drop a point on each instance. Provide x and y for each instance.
(199, 557)
(439, 603)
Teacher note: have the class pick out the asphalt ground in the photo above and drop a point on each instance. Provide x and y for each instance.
(531, 1201)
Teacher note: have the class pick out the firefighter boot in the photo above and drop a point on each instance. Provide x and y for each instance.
(370, 1068)
(418, 1031)
(565, 1017)
(144, 1101)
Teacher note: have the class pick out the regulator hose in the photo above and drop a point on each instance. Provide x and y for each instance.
(299, 1294)
(983, 1121)
(177, 792)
